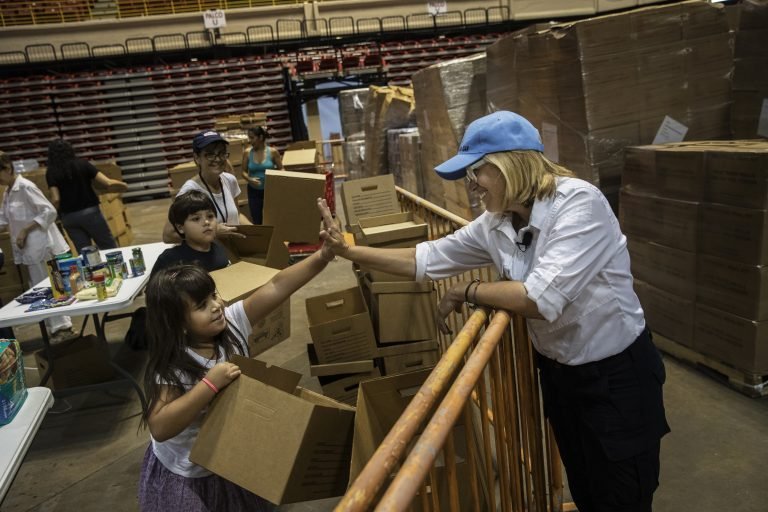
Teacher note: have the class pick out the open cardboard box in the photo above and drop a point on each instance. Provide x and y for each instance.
(341, 327)
(368, 197)
(259, 246)
(401, 229)
(402, 310)
(239, 280)
(77, 362)
(380, 403)
(282, 442)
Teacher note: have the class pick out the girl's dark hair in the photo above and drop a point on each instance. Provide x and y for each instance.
(187, 204)
(258, 131)
(60, 156)
(168, 295)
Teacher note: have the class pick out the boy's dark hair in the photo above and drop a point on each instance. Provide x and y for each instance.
(168, 294)
(187, 204)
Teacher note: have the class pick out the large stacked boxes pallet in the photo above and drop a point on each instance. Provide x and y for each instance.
(696, 218)
(593, 87)
(449, 96)
(750, 74)
(386, 108)
(351, 113)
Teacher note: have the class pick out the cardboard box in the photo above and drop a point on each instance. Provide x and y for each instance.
(262, 416)
(736, 234)
(731, 339)
(322, 370)
(259, 247)
(369, 197)
(403, 310)
(238, 281)
(677, 222)
(380, 403)
(344, 387)
(181, 173)
(393, 230)
(666, 313)
(341, 327)
(77, 362)
(733, 287)
(290, 205)
(410, 347)
(670, 269)
(301, 157)
(403, 363)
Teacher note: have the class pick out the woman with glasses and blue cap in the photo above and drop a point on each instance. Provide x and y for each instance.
(563, 264)
(215, 179)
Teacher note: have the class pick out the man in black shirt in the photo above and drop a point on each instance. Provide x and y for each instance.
(193, 217)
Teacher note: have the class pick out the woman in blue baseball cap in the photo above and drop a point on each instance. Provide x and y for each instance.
(563, 264)
(215, 179)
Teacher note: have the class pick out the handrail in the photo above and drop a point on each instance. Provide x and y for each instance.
(405, 485)
(360, 495)
(498, 381)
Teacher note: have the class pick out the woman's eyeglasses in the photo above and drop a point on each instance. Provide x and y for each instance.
(471, 175)
(212, 157)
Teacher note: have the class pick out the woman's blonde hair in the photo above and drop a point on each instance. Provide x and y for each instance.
(528, 175)
(5, 160)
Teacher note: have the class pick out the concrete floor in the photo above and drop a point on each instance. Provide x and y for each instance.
(88, 452)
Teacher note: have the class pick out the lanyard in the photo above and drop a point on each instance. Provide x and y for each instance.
(225, 213)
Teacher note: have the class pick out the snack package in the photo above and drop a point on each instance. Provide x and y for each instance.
(13, 391)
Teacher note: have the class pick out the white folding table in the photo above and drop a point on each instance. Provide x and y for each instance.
(16, 436)
(14, 313)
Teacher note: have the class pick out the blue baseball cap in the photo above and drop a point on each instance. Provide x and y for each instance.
(500, 131)
(205, 138)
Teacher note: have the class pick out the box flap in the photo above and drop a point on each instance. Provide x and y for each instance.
(377, 287)
(335, 306)
(237, 281)
(280, 378)
(320, 370)
(299, 158)
(369, 197)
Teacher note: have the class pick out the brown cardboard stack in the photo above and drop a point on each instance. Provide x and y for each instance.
(238, 281)
(696, 215)
(394, 165)
(595, 86)
(354, 158)
(386, 108)
(750, 74)
(449, 96)
(410, 176)
(279, 441)
(344, 346)
(351, 110)
(402, 310)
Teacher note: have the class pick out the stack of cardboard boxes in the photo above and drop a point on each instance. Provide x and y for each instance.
(384, 326)
(449, 96)
(750, 74)
(386, 108)
(595, 86)
(696, 216)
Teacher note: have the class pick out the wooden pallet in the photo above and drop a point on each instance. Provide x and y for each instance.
(750, 384)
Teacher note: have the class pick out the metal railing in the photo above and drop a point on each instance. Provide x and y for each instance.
(512, 460)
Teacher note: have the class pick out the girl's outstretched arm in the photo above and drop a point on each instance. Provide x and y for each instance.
(267, 298)
(175, 411)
